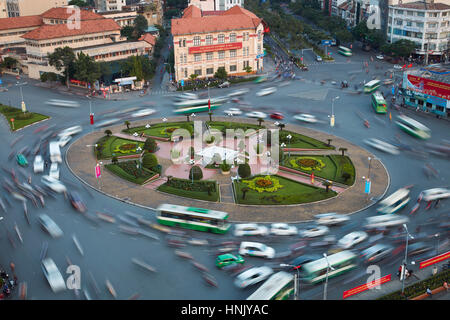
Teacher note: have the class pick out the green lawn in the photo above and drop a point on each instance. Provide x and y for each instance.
(222, 125)
(185, 188)
(20, 120)
(291, 192)
(160, 129)
(302, 141)
(127, 170)
(108, 147)
(331, 167)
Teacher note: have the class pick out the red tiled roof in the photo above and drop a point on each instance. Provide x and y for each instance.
(424, 6)
(149, 38)
(65, 13)
(212, 13)
(53, 31)
(233, 19)
(192, 12)
(20, 22)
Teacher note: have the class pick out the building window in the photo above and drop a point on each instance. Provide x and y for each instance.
(246, 64)
(221, 38)
(421, 14)
(221, 54)
(259, 35)
(246, 36)
(185, 58)
(259, 48)
(209, 39)
(408, 23)
(197, 57)
(184, 42)
(232, 53)
(185, 73)
(209, 70)
(209, 56)
(233, 37)
(198, 72)
(181, 58)
(196, 41)
(440, 108)
(233, 68)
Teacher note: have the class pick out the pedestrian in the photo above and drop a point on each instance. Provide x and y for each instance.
(435, 270)
(12, 266)
(399, 271)
(445, 285)
(430, 294)
(46, 163)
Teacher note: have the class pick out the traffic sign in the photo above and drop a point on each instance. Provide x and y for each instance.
(98, 172)
(12, 119)
(182, 82)
(326, 42)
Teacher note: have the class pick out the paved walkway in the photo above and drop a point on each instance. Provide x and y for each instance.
(81, 161)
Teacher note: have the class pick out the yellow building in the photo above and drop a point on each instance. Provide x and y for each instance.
(202, 43)
(18, 8)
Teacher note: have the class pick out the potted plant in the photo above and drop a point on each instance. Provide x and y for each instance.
(225, 168)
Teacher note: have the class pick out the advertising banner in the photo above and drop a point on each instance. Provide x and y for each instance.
(434, 260)
(98, 172)
(366, 286)
(216, 47)
(427, 86)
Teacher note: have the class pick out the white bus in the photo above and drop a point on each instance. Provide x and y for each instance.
(279, 286)
(395, 201)
(193, 218)
(63, 103)
(372, 86)
(316, 271)
(55, 151)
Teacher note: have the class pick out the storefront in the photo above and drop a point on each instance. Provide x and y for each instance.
(427, 103)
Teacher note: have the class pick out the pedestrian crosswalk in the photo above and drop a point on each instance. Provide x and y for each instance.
(161, 92)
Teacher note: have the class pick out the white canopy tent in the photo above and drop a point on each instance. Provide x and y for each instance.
(208, 153)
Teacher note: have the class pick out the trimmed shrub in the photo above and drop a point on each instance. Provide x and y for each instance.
(225, 167)
(244, 170)
(150, 145)
(196, 173)
(149, 160)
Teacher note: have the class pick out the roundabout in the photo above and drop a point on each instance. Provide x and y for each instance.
(335, 197)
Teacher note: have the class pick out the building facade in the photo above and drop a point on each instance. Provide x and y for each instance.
(202, 44)
(123, 18)
(426, 23)
(17, 8)
(428, 89)
(216, 5)
(109, 5)
(151, 10)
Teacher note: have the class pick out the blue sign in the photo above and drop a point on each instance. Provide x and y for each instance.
(367, 187)
(326, 42)
(1, 81)
(182, 83)
(393, 90)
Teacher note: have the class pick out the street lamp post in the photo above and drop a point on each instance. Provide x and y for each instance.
(296, 279)
(326, 279)
(332, 119)
(437, 244)
(289, 137)
(406, 255)
(192, 161)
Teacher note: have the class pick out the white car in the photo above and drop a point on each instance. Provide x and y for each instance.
(398, 67)
(70, 131)
(143, 113)
(250, 229)
(435, 194)
(256, 114)
(256, 249)
(352, 239)
(38, 164)
(266, 91)
(380, 57)
(233, 111)
(330, 219)
(186, 96)
(382, 146)
(283, 229)
(386, 220)
(107, 122)
(306, 118)
(252, 276)
(314, 232)
(54, 171)
(53, 184)
(64, 140)
(54, 277)
(319, 58)
(239, 92)
(63, 103)
(50, 226)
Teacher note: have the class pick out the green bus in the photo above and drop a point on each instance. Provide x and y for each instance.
(371, 86)
(193, 218)
(413, 127)
(345, 51)
(316, 271)
(378, 102)
(279, 286)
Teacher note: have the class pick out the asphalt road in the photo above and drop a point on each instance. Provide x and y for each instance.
(108, 251)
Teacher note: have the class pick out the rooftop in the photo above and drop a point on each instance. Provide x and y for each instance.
(149, 38)
(20, 22)
(437, 72)
(422, 5)
(66, 13)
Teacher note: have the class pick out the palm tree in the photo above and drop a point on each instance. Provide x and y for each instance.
(108, 132)
(327, 185)
(210, 116)
(127, 123)
(329, 141)
(281, 126)
(187, 117)
(343, 150)
(260, 120)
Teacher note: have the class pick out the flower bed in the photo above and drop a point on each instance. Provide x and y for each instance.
(107, 147)
(162, 130)
(263, 184)
(129, 170)
(202, 190)
(307, 163)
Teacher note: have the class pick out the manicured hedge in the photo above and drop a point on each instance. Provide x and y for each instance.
(127, 170)
(202, 190)
(20, 119)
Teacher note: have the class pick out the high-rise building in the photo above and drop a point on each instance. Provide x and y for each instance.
(216, 5)
(109, 5)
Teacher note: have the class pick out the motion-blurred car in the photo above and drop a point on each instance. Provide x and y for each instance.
(63, 103)
(253, 276)
(53, 184)
(312, 232)
(418, 248)
(225, 84)
(70, 131)
(398, 67)
(283, 229)
(306, 118)
(38, 164)
(277, 115)
(386, 220)
(186, 96)
(143, 113)
(256, 249)
(301, 260)
(54, 171)
(266, 91)
(64, 140)
(21, 160)
(238, 92)
(107, 122)
(330, 219)
(227, 259)
(50, 226)
(54, 277)
(435, 194)
(352, 239)
(319, 58)
(380, 57)
(250, 229)
(76, 201)
(233, 111)
(382, 146)
(256, 114)
(376, 253)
